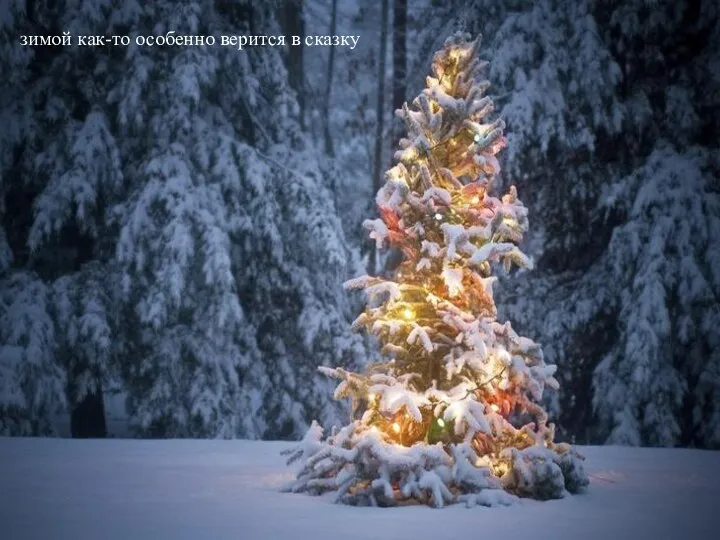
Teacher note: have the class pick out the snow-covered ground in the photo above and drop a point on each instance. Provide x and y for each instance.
(59, 489)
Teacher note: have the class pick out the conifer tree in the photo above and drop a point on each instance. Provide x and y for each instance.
(436, 417)
(167, 232)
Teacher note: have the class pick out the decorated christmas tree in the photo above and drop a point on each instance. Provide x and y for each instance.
(451, 412)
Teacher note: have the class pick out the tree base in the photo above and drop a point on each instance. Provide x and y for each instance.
(365, 469)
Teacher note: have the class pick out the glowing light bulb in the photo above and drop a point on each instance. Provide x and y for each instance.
(494, 407)
(477, 138)
(475, 200)
(438, 216)
(441, 422)
(409, 314)
(396, 427)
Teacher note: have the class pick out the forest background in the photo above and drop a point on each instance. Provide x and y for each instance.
(176, 223)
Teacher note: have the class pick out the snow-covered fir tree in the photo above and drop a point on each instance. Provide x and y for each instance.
(174, 234)
(47, 151)
(450, 412)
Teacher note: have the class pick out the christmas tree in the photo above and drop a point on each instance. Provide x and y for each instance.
(451, 413)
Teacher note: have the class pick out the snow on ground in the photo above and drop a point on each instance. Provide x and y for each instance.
(61, 489)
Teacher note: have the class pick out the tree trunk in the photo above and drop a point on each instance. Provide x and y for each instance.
(87, 419)
(294, 25)
(380, 118)
(395, 256)
(329, 82)
(399, 63)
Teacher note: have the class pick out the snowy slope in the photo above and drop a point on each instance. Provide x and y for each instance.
(199, 489)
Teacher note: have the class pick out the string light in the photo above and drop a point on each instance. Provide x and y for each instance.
(396, 427)
(438, 216)
(494, 407)
(408, 314)
(440, 422)
(475, 200)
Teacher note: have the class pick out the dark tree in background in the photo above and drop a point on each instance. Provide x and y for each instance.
(329, 81)
(399, 63)
(377, 171)
(167, 233)
(293, 19)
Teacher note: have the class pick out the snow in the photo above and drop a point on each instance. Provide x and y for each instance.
(190, 489)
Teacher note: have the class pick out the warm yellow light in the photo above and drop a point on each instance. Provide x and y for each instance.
(396, 427)
(441, 422)
(475, 200)
(408, 313)
(494, 407)
(438, 216)
(371, 397)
